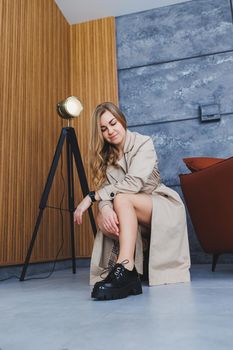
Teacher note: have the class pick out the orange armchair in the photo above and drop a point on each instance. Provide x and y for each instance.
(208, 194)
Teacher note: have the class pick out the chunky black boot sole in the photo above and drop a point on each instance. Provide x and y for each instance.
(105, 293)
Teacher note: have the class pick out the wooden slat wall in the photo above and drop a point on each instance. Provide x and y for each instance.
(93, 80)
(34, 75)
(43, 60)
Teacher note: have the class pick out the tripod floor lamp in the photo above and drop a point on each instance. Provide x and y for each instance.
(69, 108)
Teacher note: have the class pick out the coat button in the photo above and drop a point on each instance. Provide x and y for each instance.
(112, 194)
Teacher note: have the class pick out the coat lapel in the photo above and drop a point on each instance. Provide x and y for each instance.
(115, 173)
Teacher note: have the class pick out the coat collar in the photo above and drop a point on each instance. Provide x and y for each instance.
(129, 143)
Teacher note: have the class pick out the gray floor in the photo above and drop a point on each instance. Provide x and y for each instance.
(58, 314)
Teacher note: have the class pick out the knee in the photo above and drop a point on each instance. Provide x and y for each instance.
(121, 199)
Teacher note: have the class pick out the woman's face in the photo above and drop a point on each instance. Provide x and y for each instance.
(112, 130)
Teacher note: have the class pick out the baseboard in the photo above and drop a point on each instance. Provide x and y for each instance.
(39, 268)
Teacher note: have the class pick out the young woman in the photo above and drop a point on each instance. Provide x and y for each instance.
(131, 197)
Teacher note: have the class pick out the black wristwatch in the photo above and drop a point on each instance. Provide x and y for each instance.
(92, 196)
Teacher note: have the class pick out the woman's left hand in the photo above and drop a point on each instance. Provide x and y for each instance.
(81, 208)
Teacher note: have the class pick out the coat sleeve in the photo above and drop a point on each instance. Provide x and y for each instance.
(140, 168)
(102, 203)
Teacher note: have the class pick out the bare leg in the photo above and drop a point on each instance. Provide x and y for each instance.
(131, 209)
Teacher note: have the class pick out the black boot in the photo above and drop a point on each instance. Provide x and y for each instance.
(118, 284)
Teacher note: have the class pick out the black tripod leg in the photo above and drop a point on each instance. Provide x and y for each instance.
(81, 174)
(44, 199)
(214, 261)
(34, 234)
(71, 200)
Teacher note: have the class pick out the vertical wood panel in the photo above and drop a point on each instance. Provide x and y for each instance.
(43, 60)
(93, 80)
(34, 75)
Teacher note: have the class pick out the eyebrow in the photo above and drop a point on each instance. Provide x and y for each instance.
(104, 126)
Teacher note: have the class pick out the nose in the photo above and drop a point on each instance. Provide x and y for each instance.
(110, 130)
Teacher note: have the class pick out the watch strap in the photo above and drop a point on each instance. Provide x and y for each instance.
(91, 194)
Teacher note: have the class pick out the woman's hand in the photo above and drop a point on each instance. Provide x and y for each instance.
(81, 208)
(110, 220)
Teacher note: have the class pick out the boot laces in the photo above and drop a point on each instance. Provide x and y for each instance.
(117, 268)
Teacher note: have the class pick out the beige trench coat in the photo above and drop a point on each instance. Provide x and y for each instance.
(169, 259)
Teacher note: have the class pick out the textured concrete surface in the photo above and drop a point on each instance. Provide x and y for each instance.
(169, 33)
(174, 91)
(170, 61)
(175, 141)
(58, 314)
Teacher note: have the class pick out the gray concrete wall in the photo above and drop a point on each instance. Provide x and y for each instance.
(170, 61)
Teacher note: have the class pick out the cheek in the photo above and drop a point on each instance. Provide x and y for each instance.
(121, 130)
(105, 135)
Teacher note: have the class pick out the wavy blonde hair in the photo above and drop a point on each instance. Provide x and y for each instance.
(102, 152)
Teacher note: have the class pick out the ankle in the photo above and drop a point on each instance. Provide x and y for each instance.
(128, 264)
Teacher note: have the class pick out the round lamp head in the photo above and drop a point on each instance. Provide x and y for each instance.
(69, 108)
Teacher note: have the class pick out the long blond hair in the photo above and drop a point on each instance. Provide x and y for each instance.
(103, 153)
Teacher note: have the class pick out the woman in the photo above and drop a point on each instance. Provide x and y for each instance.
(131, 197)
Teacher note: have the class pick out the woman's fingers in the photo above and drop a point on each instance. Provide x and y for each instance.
(115, 222)
(111, 226)
(78, 217)
(116, 218)
(108, 227)
(84, 205)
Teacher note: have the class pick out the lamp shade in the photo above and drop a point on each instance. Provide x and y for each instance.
(69, 108)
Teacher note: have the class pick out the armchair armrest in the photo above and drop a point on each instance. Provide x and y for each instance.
(209, 197)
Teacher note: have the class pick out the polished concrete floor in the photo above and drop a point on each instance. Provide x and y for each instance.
(58, 314)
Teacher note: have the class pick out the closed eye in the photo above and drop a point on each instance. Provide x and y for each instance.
(112, 123)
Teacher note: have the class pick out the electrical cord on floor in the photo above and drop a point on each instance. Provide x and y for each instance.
(8, 278)
(62, 238)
